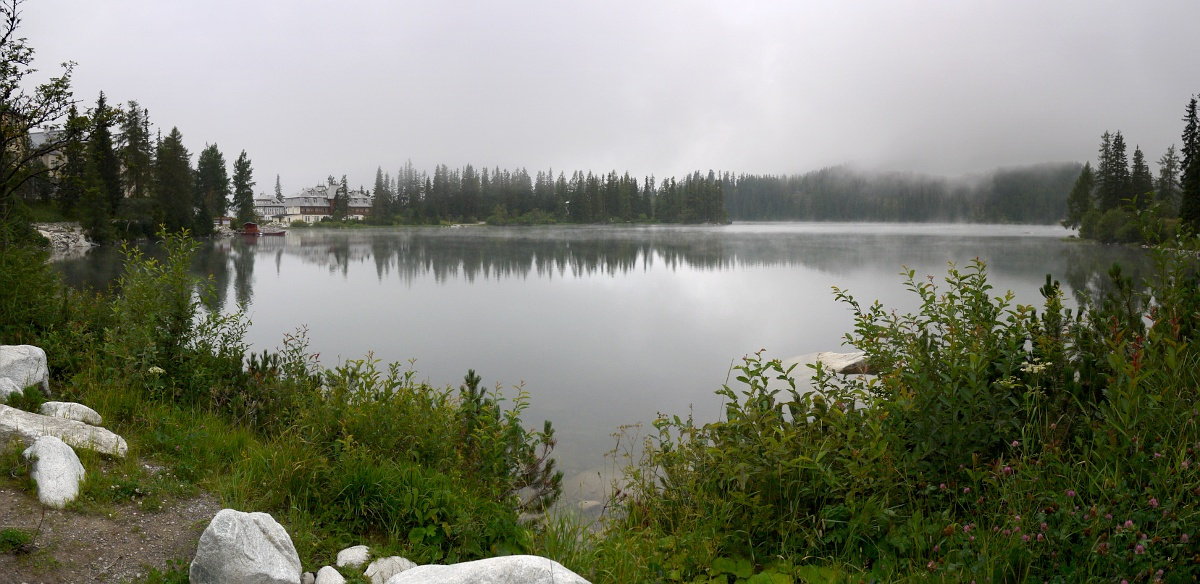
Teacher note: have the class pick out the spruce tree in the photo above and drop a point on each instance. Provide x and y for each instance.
(1079, 201)
(1141, 182)
(173, 183)
(71, 180)
(1166, 189)
(1189, 199)
(134, 151)
(243, 189)
(381, 203)
(212, 182)
(278, 189)
(103, 156)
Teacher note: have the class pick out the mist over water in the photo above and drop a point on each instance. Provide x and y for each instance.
(605, 326)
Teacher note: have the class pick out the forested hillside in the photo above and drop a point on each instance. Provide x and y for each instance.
(1033, 194)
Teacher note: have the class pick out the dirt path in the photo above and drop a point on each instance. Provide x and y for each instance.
(115, 547)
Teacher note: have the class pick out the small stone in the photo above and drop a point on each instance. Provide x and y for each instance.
(354, 556)
(328, 575)
(308, 578)
(384, 568)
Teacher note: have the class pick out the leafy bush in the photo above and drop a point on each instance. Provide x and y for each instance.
(998, 442)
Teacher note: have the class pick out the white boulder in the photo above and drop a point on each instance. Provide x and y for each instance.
(8, 387)
(384, 568)
(71, 411)
(354, 556)
(328, 575)
(245, 547)
(25, 365)
(523, 569)
(846, 363)
(29, 427)
(56, 470)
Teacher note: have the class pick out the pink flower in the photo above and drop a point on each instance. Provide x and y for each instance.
(1154, 502)
(1070, 492)
(1139, 550)
(1128, 523)
(937, 548)
(1026, 537)
(1183, 538)
(1041, 537)
(1008, 470)
(967, 529)
(1108, 516)
(942, 486)
(966, 490)
(1043, 526)
(1015, 444)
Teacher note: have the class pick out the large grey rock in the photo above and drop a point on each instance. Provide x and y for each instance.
(328, 575)
(8, 387)
(384, 568)
(56, 470)
(71, 411)
(25, 365)
(847, 363)
(29, 427)
(245, 547)
(522, 569)
(354, 556)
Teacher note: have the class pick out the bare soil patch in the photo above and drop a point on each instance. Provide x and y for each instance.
(119, 545)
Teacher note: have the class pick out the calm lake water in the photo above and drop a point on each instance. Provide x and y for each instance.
(604, 326)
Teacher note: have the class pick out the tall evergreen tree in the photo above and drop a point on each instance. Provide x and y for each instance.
(341, 201)
(1189, 198)
(173, 183)
(1166, 188)
(1141, 182)
(278, 189)
(243, 189)
(381, 203)
(135, 151)
(1079, 201)
(74, 163)
(212, 182)
(102, 156)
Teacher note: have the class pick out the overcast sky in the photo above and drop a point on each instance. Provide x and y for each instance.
(311, 89)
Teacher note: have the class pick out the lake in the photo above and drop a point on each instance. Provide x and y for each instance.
(605, 326)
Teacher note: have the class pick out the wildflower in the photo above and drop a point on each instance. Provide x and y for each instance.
(1008, 470)
(1108, 516)
(1070, 492)
(1015, 444)
(1183, 538)
(1185, 464)
(1128, 523)
(966, 490)
(942, 486)
(937, 548)
(1157, 455)
(967, 529)
(1154, 502)
(1043, 526)
(1026, 537)
(1041, 537)
(156, 370)
(1139, 550)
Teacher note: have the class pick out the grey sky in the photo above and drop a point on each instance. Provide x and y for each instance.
(310, 89)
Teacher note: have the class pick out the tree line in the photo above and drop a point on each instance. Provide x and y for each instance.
(1121, 200)
(121, 181)
(503, 196)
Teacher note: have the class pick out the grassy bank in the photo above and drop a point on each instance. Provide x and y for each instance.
(1001, 442)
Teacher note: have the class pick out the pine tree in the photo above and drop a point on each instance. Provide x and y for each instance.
(278, 189)
(243, 189)
(1189, 199)
(1141, 182)
(173, 183)
(381, 203)
(1166, 189)
(102, 156)
(71, 180)
(134, 151)
(212, 182)
(1079, 201)
(341, 201)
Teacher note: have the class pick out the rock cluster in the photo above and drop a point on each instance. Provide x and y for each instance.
(253, 547)
(65, 238)
(53, 434)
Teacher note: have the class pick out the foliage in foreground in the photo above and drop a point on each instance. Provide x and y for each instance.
(999, 442)
(352, 454)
